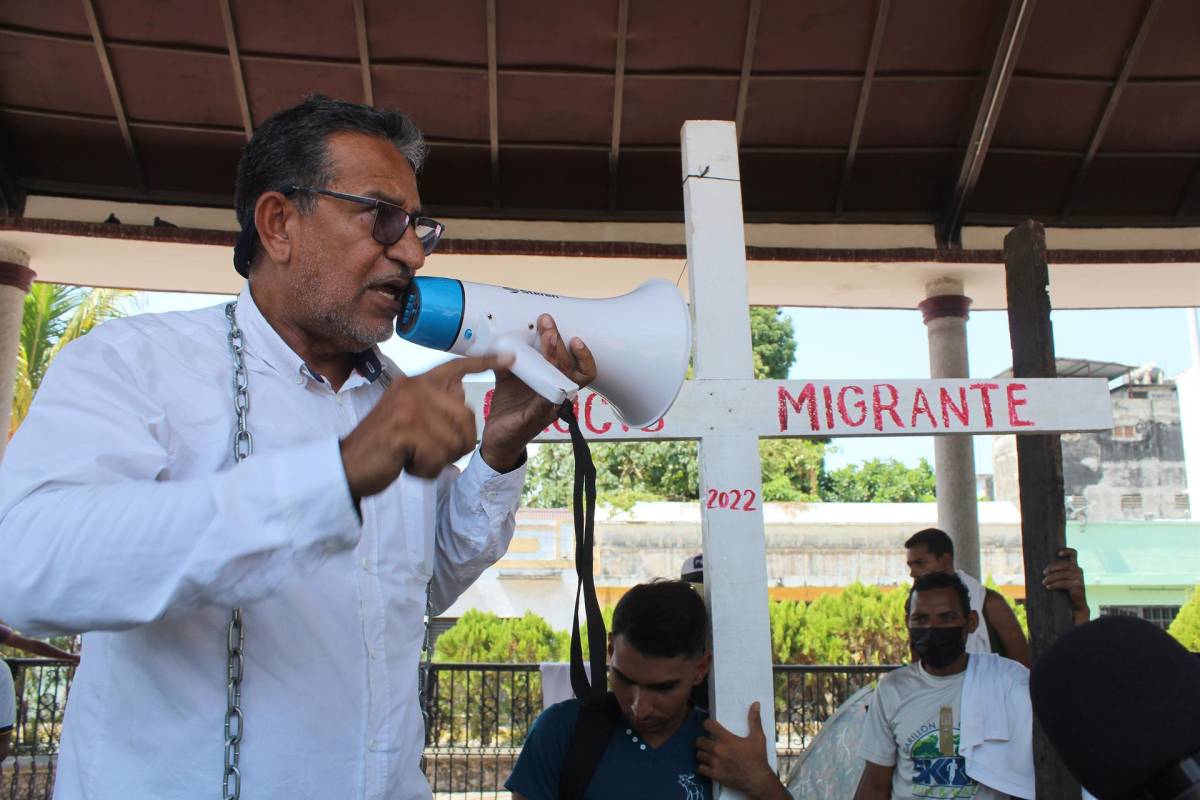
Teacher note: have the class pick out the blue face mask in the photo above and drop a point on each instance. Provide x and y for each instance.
(938, 647)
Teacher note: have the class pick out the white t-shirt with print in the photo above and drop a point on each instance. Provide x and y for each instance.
(913, 724)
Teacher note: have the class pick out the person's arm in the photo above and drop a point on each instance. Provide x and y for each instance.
(95, 537)
(1002, 619)
(476, 517)
(739, 762)
(1064, 574)
(40, 648)
(875, 783)
(477, 509)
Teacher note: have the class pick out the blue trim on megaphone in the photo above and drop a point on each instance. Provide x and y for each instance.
(433, 312)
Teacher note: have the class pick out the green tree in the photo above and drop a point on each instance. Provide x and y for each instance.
(627, 472)
(879, 481)
(481, 636)
(773, 339)
(860, 625)
(53, 316)
(1186, 627)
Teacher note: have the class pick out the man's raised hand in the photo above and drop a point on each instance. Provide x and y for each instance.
(420, 425)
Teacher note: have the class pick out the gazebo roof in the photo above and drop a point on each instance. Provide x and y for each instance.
(1078, 111)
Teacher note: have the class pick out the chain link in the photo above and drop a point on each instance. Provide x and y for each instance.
(235, 636)
(426, 661)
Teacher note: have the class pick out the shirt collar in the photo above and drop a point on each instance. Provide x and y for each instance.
(265, 343)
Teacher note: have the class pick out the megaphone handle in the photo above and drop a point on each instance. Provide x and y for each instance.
(536, 372)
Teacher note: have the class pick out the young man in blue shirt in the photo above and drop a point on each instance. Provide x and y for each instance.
(656, 655)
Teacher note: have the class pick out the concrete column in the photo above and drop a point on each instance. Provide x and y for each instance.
(15, 280)
(945, 313)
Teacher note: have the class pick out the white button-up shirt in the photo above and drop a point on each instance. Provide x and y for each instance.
(123, 516)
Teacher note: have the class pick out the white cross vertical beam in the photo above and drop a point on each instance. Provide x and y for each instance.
(735, 557)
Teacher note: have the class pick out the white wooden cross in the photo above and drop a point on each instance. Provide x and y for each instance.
(728, 411)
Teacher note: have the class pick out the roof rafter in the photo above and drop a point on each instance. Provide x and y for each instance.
(739, 115)
(864, 94)
(614, 152)
(113, 92)
(364, 51)
(235, 63)
(991, 100)
(493, 101)
(1114, 96)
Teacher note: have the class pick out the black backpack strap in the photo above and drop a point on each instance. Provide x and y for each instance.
(588, 743)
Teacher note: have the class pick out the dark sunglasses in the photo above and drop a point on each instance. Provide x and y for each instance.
(391, 221)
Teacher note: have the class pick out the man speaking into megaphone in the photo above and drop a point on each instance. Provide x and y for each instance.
(241, 508)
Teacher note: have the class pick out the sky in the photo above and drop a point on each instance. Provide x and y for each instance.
(846, 343)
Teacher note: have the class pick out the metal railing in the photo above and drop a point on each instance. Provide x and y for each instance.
(479, 716)
(41, 687)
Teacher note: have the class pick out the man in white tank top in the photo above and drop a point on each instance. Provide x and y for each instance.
(931, 550)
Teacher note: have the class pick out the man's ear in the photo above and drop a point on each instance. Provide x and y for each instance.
(702, 668)
(274, 216)
(610, 647)
(972, 622)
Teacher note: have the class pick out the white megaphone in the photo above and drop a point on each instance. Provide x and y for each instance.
(641, 341)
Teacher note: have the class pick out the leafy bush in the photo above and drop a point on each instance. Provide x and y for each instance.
(1186, 627)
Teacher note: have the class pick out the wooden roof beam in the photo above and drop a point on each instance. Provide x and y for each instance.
(113, 92)
(739, 115)
(364, 51)
(235, 63)
(614, 151)
(864, 94)
(1114, 96)
(493, 101)
(991, 100)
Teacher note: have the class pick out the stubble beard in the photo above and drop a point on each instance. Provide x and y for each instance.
(322, 301)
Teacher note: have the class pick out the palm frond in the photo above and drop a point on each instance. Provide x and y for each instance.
(96, 306)
(53, 316)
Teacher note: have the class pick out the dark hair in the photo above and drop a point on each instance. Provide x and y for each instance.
(663, 619)
(935, 540)
(291, 148)
(940, 580)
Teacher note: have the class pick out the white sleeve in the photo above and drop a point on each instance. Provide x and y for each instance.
(476, 516)
(8, 700)
(96, 536)
(878, 743)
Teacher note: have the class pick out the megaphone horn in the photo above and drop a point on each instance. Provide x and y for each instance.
(641, 341)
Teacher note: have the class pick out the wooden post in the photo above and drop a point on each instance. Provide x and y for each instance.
(1039, 474)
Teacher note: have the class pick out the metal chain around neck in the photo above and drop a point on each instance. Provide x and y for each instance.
(243, 446)
(235, 637)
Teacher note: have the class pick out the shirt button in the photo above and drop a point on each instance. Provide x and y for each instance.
(366, 565)
(628, 730)
(299, 379)
(373, 746)
(635, 738)
(643, 747)
(491, 495)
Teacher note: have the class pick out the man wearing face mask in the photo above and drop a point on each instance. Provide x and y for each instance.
(924, 733)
